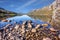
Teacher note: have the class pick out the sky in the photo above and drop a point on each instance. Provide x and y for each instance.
(24, 6)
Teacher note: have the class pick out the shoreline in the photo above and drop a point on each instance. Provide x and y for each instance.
(27, 32)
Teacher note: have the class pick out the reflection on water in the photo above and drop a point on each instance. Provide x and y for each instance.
(20, 19)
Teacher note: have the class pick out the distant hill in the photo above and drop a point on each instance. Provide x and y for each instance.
(5, 13)
(44, 13)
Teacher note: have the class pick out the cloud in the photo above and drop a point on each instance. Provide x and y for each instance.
(26, 4)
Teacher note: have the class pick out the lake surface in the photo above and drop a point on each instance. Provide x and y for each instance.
(20, 19)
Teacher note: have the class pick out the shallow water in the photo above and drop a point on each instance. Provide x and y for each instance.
(20, 19)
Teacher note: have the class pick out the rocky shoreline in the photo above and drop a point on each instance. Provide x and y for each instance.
(26, 31)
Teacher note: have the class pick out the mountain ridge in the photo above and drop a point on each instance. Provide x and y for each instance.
(5, 13)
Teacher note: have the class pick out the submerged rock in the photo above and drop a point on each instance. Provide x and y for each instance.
(23, 20)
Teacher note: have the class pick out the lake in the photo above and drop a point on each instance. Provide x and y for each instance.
(20, 19)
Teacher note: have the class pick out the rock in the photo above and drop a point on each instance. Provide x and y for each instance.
(27, 30)
(29, 21)
(24, 22)
(44, 25)
(29, 25)
(9, 21)
(37, 26)
(59, 36)
(23, 26)
(33, 30)
(4, 20)
(16, 27)
(47, 38)
(7, 26)
(56, 14)
(23, 31)
(9, 34)
(52, 29)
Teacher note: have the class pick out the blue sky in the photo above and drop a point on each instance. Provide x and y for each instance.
(23, 6)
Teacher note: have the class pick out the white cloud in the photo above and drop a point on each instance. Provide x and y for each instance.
(26, 4)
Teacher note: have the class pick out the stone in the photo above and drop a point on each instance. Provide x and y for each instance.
(4, 20)
(52, 29)
(56, 13)
(33, 30)
(37, 26)
(44, 25)
(47, 38)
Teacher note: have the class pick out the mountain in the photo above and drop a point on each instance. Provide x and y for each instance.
(44, 13)
(5, 13)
